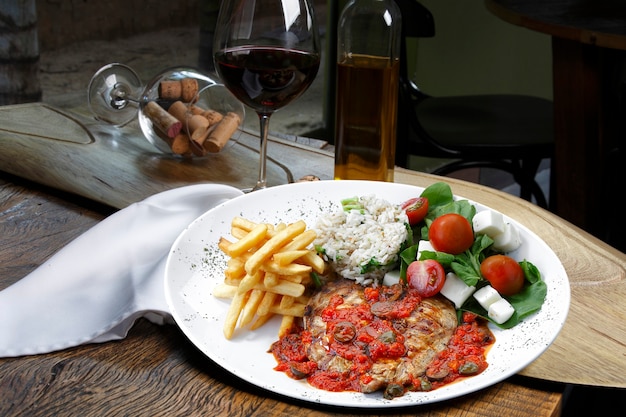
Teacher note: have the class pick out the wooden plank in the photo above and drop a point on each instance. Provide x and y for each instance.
(117, 166)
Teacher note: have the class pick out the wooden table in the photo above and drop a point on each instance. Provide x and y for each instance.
(156, 370)
(588, 58)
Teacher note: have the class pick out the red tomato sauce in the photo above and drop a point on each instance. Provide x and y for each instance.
(358, 335)
(465, 355)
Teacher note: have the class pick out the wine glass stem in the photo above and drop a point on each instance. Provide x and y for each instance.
(264, 120)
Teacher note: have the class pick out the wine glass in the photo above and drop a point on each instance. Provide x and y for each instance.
(267, 53)
(116, 95)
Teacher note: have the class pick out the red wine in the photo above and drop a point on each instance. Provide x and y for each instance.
(266, 78)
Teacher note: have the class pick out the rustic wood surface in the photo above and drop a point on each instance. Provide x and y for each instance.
(588, 48)
(156, 370)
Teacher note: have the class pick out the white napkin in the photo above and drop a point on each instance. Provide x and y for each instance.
(95, 288)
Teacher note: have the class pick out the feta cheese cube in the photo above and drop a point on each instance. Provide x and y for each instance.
(500, 311)
(391, 278)
(488, 222)
(486, 296)
(422, 246)
(509, 240)
(456, 290)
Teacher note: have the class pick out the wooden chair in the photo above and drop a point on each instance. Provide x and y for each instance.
(511, 133)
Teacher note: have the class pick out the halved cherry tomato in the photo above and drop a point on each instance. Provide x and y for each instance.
(415, 209)
(503, 273)
(451, 233)
(426, 276)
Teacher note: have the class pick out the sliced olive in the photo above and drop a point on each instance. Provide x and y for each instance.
(297, 373)
(344, 332)
(382, 308)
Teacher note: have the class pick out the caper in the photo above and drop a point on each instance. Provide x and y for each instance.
(425, 384)
(437, 374)
(387, 337)
(468, 368)
(393, 390)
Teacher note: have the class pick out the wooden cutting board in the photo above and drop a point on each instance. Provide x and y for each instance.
(71, 151)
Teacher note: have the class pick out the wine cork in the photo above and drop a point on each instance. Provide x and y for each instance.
(185, 89)
(213, 116)
(181, 144)
(195, 109)
(170, 89)
(223, 131)
(197, 127)
(179, 110)
(189, 89)
(162, 120)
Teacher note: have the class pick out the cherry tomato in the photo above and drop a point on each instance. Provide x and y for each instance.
(426, 276)
(415, 209)
(503, 273)
(451, 233)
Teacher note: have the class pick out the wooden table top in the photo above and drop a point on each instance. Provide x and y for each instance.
(156, 368)
(594, 22)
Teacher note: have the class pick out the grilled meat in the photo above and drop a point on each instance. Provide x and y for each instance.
(351, 330)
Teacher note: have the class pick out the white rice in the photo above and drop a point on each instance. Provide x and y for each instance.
(351, 239)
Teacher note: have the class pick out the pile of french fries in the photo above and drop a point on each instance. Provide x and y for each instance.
(267, 274)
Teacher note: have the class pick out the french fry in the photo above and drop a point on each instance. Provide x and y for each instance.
(270, 279)
(224, 244)
(297, 278)
(301, 241)
(249, 310)
(253, 264)
(282, 288)
(241, 223)
(235, 269)
(285, 325)
(261, 320)
(225, 291)
(252, 239)
(291, 269)
(238, 232)
(267, 273)
(286, 301)
(266, 303)
(314, 261)
(296, 310)
(285, 258)
(249, 281)
(232, 316)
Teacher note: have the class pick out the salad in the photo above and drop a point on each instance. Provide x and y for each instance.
(464, 255)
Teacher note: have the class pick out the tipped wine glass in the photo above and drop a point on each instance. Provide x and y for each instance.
(267, 53)
(116, 96)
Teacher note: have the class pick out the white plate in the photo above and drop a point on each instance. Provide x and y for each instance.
(195, 265)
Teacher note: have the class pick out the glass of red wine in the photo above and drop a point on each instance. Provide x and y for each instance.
(267, 53)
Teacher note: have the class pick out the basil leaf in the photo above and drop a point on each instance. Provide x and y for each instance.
(531, 272)
(437, 194)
